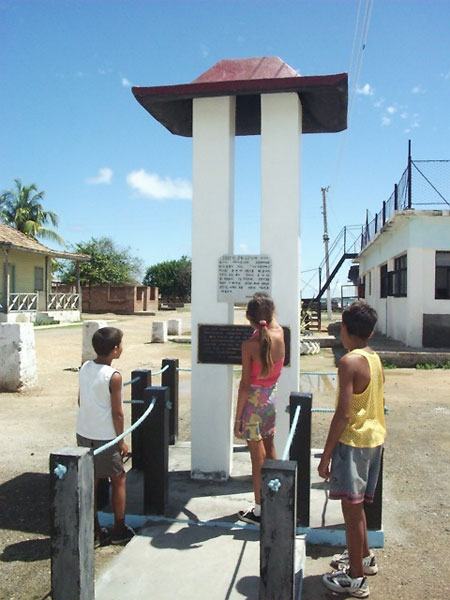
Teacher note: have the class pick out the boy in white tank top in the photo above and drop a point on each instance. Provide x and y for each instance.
(100, 419)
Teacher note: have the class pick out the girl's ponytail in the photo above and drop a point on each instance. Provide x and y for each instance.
(265, 347)
(260, 311)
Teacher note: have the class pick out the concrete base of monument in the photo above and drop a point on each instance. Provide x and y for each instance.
(199, 548)
(208, 498)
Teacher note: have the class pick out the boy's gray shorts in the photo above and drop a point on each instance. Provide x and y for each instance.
(354, 473)
(106, 464)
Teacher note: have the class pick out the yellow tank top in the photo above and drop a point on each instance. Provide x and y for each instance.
(366, 427)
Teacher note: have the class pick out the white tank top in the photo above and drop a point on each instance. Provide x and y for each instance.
(95, 414)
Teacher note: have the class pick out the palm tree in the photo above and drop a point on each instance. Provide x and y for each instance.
(21, 208)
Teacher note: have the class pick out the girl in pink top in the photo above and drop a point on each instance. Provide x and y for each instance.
(262, 362)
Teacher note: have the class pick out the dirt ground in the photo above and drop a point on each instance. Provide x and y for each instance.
(413, 564)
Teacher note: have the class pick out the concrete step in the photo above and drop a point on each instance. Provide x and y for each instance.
(187, 560)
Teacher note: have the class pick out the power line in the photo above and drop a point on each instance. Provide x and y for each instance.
(354, 73)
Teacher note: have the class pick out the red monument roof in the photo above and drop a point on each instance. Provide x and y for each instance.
(323, 97)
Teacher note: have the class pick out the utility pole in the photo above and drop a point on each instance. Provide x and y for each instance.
(325, 241)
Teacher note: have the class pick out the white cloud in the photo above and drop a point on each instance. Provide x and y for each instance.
(366, 90)
(379, 103)
(417, 90)
(243, 247)
(391, 110)
(403, 115)
(104, 176)
(205, 50)
(385, 120)
(415, 121)
(446, 75)
(155, 187)
(125, 82)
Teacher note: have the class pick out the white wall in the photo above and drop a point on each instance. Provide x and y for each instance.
(419, 235)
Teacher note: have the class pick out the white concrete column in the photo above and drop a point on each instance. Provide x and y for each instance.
(420, 282)
(281, 127)
(17, 357)
(89, 328)
(213, 131)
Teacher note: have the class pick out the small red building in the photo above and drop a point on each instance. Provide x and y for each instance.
(120, 299)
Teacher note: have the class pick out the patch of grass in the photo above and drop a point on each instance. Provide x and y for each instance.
(429, 366)
(39, 322)
(388, 365)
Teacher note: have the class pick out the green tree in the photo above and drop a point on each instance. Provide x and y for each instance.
(172, 277)
(22, 208)
(108, 264)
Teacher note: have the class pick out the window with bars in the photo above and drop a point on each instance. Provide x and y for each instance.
(400, 276)
(362, 287)
(442, 275)
(384, 281)
(38, 279)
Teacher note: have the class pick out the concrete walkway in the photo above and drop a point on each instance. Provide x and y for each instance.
(199, 549)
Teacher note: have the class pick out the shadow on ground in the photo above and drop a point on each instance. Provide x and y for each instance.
(24, 507)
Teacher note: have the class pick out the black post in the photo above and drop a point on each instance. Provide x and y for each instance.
(409, 175)
(72, 524)
(170, 379)
(384, 212)
(137, 410)
(278, 529)
(374, 511)
(396, 196)
(376, 222)
(300, 451)
(155, 433)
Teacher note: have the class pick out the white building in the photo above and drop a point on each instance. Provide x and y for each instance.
(405, 275)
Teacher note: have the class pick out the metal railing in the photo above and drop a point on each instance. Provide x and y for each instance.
(424, 183)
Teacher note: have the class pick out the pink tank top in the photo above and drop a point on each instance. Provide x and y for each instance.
(272, 377)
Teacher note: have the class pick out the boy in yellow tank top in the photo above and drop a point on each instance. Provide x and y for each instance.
(354, 446)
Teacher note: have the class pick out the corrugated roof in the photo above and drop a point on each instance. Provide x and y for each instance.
(12, 238)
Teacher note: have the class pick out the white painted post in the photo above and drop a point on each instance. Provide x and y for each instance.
(281, 128)
(174, 327)
(159, 332)
(212, 223)
(17, 357)
(89, 328)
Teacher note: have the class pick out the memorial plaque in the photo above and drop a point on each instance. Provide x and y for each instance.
(221, 344)
(241, 275)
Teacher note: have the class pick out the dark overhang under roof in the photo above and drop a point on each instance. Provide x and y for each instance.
(324, 100)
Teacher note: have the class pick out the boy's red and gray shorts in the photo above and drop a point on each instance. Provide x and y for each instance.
(354, 473)
(106, 464)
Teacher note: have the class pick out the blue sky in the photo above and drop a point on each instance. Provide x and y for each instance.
(71, 124)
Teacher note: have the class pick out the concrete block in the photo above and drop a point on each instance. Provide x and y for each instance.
(174, 327)
(17, 357)
(89, 328)
(159, 332)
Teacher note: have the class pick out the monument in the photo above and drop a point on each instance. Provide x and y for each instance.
(253, 96)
